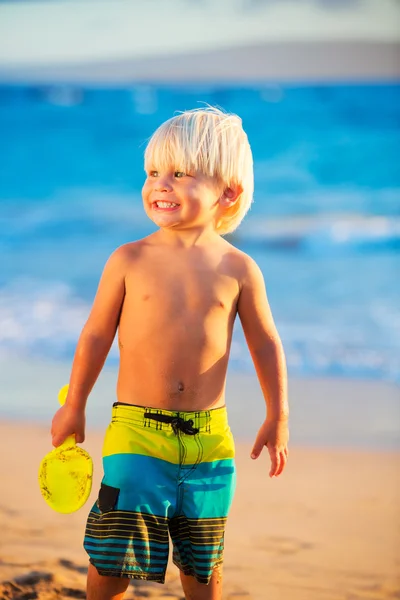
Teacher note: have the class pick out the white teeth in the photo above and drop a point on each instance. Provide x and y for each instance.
(166, 204)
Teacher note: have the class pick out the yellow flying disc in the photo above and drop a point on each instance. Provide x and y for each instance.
(66, 473)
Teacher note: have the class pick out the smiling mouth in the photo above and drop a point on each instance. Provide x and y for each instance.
(161, 205)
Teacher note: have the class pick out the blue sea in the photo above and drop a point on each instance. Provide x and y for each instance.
(324, 226)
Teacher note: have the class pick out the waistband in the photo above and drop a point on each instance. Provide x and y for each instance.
(204, 421)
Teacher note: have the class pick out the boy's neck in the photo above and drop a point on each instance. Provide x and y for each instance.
(187, 238)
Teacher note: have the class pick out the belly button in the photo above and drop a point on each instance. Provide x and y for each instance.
(181, 387)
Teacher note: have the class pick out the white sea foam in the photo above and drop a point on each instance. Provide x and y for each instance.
(35, 315)
(322, 231)
(40, 318)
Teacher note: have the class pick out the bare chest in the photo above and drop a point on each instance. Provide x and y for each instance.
(177, 288)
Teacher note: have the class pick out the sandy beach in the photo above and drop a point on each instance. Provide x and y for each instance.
(328, 529)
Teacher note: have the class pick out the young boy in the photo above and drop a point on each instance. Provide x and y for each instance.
(173, 296)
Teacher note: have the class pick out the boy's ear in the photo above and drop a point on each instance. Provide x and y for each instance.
(230, 195)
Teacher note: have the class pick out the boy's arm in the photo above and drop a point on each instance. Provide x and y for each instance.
(269, 360)
(93, 346)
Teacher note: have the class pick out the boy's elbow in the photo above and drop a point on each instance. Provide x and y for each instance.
(97, 337)
(270, 349)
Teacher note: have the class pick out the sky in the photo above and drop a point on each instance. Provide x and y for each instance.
(70, 31)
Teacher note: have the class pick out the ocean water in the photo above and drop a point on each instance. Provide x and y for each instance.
(324, 226)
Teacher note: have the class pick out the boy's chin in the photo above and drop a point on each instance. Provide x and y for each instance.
(165, 223)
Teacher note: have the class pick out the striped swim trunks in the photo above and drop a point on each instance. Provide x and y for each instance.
(167, 474)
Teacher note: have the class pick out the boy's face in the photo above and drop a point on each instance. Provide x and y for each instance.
(173, 199)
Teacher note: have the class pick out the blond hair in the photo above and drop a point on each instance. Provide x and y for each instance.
(212, 142)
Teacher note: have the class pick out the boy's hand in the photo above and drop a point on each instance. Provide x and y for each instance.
(274, 434)
(68, 421)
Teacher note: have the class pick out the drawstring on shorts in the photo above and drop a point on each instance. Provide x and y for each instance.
(177, 423)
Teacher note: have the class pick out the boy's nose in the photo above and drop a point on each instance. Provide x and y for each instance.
(163, 184)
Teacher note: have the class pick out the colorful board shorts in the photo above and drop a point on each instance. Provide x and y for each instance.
(166, 474)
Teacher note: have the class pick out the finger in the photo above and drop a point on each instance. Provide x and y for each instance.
(282, 464)
(58, 440)
(257, 448)
(79, 438)
(275, 460)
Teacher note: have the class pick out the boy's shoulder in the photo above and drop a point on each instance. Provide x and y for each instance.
(239, 260)
(123, 257)
(129, 251)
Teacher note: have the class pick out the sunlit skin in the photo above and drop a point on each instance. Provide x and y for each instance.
(196, 197)
(173, 298)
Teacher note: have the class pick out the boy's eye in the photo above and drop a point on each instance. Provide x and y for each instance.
(179, 174)
(153, 173)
